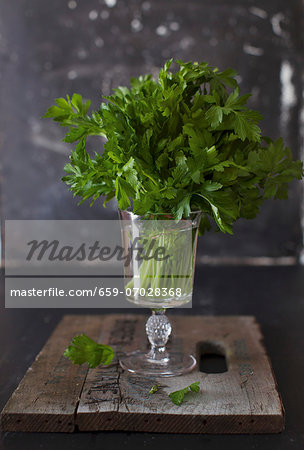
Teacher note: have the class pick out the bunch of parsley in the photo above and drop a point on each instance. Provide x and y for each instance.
(186, 141)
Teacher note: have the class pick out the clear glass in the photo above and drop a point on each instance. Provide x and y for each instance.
(159, 269)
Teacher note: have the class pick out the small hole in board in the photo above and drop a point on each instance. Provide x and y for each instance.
(211, 357)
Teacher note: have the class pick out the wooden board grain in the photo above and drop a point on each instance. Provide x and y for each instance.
(47, 396)
(244, 399)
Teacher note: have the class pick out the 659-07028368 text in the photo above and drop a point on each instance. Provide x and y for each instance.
(97, 291)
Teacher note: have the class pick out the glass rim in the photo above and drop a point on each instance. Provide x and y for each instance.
(198, 211)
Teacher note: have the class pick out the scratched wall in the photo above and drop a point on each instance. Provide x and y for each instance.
(48, 49)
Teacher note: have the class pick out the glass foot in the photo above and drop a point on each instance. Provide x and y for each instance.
(142, 363)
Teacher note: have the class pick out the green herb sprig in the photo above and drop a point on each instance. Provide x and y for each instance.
(186, 141)
(154, 389)
(177, 397)
(84, 349)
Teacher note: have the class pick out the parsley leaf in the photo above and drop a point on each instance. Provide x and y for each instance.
(183, 142)
(154, 389)
(84, 349)
(177, 397)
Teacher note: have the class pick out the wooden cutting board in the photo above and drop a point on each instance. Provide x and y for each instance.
(57, 396)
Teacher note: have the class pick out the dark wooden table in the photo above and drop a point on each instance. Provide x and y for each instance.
(275, 295)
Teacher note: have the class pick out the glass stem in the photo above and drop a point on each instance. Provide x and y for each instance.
(158, 329)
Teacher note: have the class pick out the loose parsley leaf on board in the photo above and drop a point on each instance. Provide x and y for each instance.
(84, 349)
(154, 389)
(177, 397)
(185, 141)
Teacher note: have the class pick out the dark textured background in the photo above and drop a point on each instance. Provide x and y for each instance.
(48, 49)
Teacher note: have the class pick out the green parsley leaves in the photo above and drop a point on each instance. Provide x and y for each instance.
(177, 397)
(186, 141)
(84, 349)
(154, 389)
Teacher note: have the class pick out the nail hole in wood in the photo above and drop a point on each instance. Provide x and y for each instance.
(211, 357)
(18, 420)
(158, 419)
(240, 423)
(204, 422)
